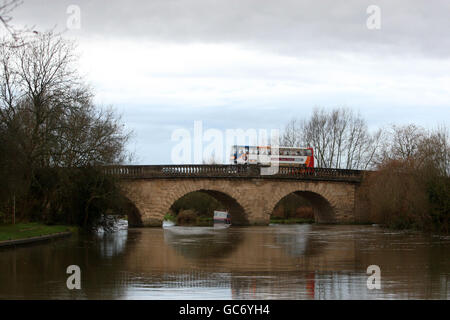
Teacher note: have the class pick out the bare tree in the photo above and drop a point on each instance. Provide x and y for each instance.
(405, 140)
(339, 137)
(12, 36)
(59, 123)
(6, 7)
(291, 134)
(425, 149)
(89, 136)
(314, 133)
(411, 186)
(48, 118)
(438, 147)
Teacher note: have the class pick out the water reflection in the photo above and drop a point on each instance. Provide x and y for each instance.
(298, 240)
(111, 244)
(275, 262)
(202, 242)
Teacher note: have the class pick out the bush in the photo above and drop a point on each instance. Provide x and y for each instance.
(80, 196)
(186, 217)
(438, 190)
(293, 206)
(403, 194)
(170, 217)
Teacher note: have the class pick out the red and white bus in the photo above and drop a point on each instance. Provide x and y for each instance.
(266, 155)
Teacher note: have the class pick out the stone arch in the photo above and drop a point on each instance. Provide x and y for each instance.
(236, 210)
(129, 208)
(133, 214)
(322, 202)
(153, 198)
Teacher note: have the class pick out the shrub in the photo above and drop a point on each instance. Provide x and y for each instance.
(186, 217)
(404, 194)
(170, 217)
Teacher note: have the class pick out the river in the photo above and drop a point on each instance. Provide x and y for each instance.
(272, 262)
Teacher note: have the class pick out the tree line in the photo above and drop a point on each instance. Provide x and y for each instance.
(409, 186)
(53, 137)
(340, 138)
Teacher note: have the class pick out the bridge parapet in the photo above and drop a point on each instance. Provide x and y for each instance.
(231, 171)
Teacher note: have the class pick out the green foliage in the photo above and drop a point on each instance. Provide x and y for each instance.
(170, 217)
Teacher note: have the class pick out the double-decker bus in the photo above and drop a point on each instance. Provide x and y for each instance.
(266, 155)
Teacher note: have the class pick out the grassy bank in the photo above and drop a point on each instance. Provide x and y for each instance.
(290, 221)
(29, 230)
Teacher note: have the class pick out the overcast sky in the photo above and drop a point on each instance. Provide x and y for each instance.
(255, 63)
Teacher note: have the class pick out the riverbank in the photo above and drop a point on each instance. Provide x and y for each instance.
(13, 234)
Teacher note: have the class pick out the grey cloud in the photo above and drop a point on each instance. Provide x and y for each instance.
(293, 27)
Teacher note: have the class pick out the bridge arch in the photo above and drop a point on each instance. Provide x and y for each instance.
(322, 203)
(237, 201)
(133, 213)
(125, 206)
(236, 210)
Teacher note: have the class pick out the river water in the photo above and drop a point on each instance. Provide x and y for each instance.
(272, 262)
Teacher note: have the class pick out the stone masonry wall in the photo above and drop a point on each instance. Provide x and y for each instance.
(251, 201)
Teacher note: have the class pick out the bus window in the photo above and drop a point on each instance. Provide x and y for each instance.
(308, 153)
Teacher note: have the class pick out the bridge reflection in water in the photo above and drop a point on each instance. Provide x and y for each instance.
(275, 262)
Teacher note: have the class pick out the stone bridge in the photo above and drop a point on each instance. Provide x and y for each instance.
(246, 191)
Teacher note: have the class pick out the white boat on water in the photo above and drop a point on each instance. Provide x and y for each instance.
(222, 219)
